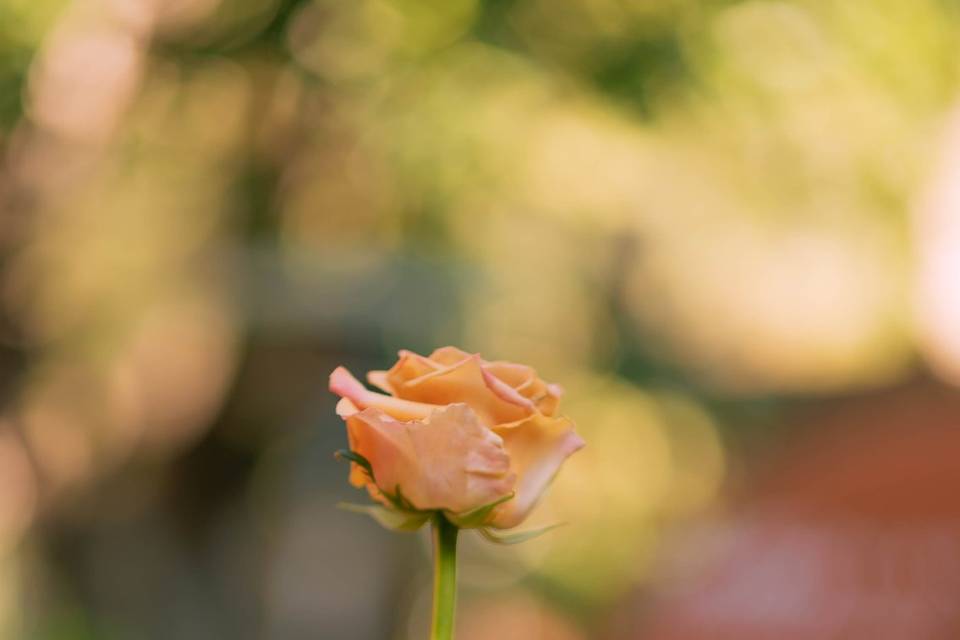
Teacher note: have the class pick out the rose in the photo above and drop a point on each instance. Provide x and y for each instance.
(456, 433)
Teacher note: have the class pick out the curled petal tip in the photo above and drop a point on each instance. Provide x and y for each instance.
(345, 385)
(345, 408)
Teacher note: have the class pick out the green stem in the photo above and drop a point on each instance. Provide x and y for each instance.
(444, 577)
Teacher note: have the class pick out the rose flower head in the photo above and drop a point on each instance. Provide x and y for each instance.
(479, 440)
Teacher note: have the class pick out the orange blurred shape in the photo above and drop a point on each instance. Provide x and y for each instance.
(58, 441)
(519, 617)
(177, 369)
(854, 532)
(84, 80)
(18, 489)
(157, 392)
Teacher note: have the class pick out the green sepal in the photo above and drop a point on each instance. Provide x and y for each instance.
(356, 458)
(516, 537)
(399, 501)
(388, 518)
(477, 517)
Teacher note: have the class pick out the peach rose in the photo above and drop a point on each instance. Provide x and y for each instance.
(456, 433)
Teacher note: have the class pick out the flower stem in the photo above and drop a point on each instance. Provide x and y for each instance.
(444, 577)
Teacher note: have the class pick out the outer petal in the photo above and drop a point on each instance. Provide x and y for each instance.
(537, 447)
(466, 381)
(448, 461)
(345, 409)
(345, 385)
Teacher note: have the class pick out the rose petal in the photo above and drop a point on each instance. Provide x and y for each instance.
(505, 391)
(381, 380)
(448, 355)
(345, 385)
(346, 408)
(537, 447)
(518, 376)
(525, 381)
(448, 461)
(465, 381)
(409, 365)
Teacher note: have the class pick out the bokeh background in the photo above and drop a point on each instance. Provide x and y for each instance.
(730, 229)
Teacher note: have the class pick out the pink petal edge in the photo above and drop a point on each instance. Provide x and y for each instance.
(345, 385)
